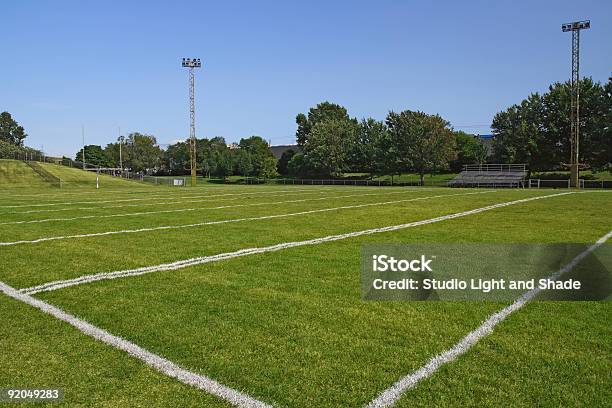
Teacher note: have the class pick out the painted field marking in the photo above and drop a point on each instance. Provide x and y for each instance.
(84, 217)
(392, 394)
(155, 361)
(201, 224)
(59, 284)
(161, 196)
(143, 199)
(95, 208)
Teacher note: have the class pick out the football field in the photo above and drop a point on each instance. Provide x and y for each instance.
(233, 295)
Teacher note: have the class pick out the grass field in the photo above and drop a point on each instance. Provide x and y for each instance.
(284, 325)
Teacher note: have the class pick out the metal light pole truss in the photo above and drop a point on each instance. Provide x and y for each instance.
(575, 28)
(192, 63)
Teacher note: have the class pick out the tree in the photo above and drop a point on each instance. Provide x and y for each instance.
(258, 150)
(470, 150)
(324, 111)
(10, 131)
(537, 131)
(220, 158)
(142, 153)
(177, 159)
(424, 142)
(268, 169)
(242, 162)
(297, 166)
(518, 134)
(327, 148)
(283, 163)
(367, 153)
(94, 155)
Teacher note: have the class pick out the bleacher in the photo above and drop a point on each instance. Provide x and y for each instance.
(491, 175)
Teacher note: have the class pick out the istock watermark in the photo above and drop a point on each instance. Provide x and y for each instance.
(490, 272)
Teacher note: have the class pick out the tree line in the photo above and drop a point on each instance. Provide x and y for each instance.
(331, 143)
(141, 153)
(536, 131)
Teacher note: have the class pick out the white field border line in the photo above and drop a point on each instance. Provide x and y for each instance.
(166, 198)
(155, 361)
(287, 192)
(391, 395)
(84, 217)
(55, 285)
(231, 220)
(211, 198)
(199, 190)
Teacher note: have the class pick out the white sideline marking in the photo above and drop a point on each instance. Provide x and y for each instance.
(210, 198)
(155, 361)
(202, 208)
(390, 396)
(289, 192)
(166, 198)
(201, 224)
(55, 285)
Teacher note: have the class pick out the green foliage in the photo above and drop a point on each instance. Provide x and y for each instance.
(10, 131)
(283, 163)
(328, 146)
(259, 154)
(470, 150)
(95, 156)
(369, 151)
(143, 153)
(537, 130)
(243, 163)
(12, 151)
(332, 143)
(421, 142)
(177, 158)
(268, 168)
(323, 112)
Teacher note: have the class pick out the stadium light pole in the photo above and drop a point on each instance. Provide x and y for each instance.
(192, 63)
(575, 28)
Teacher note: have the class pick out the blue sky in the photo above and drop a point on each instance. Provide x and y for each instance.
(108, 64)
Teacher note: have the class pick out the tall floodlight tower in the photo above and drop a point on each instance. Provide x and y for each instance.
(575, 28)
(192, 63)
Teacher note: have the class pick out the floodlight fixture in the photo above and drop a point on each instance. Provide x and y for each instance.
(192, 63)
(575, 29)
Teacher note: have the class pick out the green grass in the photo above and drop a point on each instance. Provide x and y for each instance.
(77, 178)
(17, 174)
(289, 327)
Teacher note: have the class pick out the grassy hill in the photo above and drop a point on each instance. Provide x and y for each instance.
(15, 173)
(73, 177)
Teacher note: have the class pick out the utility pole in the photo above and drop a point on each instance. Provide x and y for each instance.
(192, 63)
(120, 140)
(575, 28)
(83, 137)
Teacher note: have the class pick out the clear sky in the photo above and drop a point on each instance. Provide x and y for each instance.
(107, 64)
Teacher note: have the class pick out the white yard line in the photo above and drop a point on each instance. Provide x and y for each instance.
(166, 198)
(201, 224)
(391, 395)
(153, 360)
(286, 192)
(251, 251)
(85, 217)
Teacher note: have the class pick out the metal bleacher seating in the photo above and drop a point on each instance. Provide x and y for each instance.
(491, 175)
